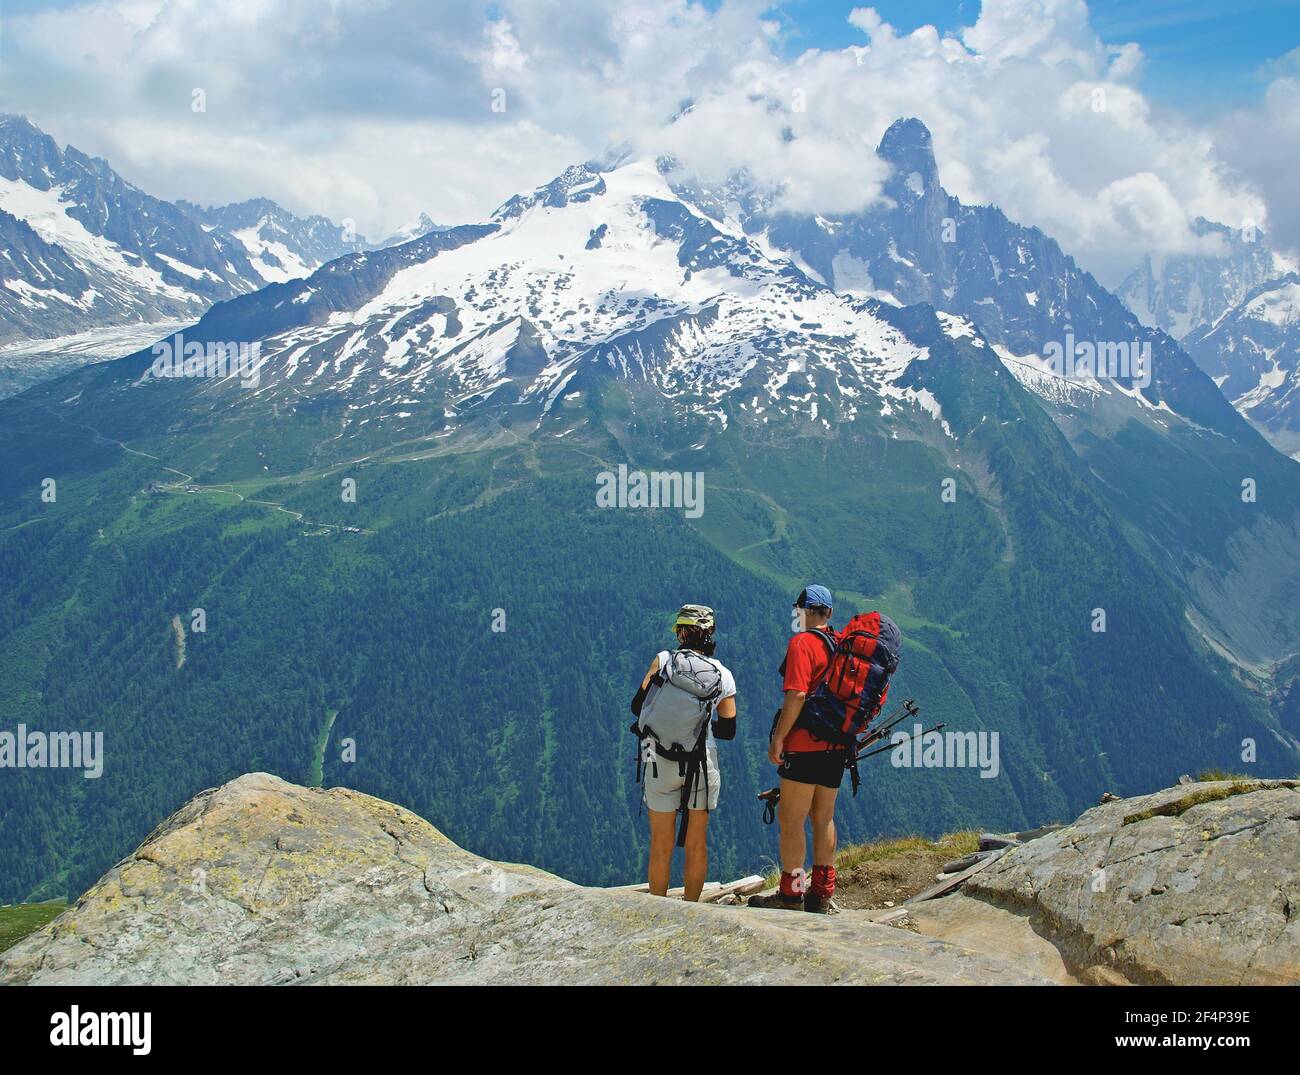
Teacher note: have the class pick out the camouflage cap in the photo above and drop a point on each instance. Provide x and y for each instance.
(700, 616)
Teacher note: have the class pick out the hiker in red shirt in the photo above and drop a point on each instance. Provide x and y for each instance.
(811, 770)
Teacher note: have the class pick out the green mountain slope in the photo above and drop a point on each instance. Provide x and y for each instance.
(515, 741)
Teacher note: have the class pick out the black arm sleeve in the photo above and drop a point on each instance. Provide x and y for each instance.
(639, 700)
(724, 729)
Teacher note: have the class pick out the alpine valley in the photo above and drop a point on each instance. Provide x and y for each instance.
(392, 544)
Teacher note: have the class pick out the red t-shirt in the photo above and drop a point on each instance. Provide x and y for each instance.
(806, 659)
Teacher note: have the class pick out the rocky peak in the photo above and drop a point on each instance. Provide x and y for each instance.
(908, 146)
(28, 154)
(577, 183)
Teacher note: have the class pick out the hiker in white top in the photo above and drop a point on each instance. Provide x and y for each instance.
(687, 700)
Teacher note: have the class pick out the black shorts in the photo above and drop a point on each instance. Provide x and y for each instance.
(823, 767)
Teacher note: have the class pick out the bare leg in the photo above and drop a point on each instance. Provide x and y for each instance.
(662, 838)
(823, 825)
(796, 800)
(697, 854)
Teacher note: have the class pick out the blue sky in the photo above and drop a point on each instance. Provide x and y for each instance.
(1201, 57)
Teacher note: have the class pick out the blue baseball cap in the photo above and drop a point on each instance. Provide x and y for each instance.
(814, 595)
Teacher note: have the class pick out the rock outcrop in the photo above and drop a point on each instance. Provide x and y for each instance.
(1199, 883)
(261, 881)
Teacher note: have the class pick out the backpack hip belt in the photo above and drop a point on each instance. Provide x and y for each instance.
(689, 765)
(650, 746)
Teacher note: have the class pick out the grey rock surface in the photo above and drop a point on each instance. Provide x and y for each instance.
(1198, 883)
(261, 881)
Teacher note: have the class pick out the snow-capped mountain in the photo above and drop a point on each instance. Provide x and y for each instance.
(82, 249)
(627, 270)
(1182, 293)
(280, 245)
(1253, 354)
(630, 265)
(621, 301)
(420, 226)
(592, 274)
(922, 245)
(1234, 313)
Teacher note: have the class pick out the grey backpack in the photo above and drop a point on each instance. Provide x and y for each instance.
(674, 722)
(681, 699)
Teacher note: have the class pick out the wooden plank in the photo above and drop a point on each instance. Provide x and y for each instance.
(713, 890)
(953, 880)
(963, 863)
(744, 887)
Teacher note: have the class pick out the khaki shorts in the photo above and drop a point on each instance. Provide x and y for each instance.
(663, 793)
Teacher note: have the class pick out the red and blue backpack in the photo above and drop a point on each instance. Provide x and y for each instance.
(856, 680)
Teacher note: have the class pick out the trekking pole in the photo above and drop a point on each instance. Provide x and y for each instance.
(891, 746)
(905, 709)
(879, 733)
(909, 709)
(772, 796)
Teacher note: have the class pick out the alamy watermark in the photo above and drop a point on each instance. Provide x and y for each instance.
(656, 489)
(114, 1029)
(1081, 360)
(26, 749)
(218, 359)
(947, 750)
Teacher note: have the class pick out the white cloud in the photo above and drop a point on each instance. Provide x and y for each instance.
(504, 53)
(1264, 144)
(1029, 110)
(376, 109)
(378, 174)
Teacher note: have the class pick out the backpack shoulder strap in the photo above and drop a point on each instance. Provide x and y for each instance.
(827, 641)
(665, 659)
(832, 648)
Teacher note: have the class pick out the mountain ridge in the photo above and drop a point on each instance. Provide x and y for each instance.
(1252, 350)
(1183, 293)
(85, 249)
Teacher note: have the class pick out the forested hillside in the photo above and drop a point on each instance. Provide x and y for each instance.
(514, 742)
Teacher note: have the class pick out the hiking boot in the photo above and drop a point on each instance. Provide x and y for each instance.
(815, 904)
(778, 901)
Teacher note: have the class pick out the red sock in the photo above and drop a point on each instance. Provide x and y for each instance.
(823, 881)
(794, 884)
